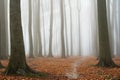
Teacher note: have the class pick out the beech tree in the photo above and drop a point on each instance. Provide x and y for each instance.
(4, 30)
(66, 30)
(17, 63)
(44, 30)
(39, 32)
(1, 66)
(31, 55)
(104, 43)
(71, 32)
(51, 30)
(78, 8)
(62, 29)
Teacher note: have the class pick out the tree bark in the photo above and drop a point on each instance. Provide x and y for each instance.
(17, 63)
(62, 29)
(4, 30)
(79, 27)
(105, 53)
(66, 32)
(44, 33)
(31, 55)
(39, 31)
(51, 30)
(71, 32)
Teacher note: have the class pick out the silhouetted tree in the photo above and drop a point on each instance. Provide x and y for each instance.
(17, 63)
(105, 59)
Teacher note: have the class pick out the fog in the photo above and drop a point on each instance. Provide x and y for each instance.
(88, 25)
(81, 15)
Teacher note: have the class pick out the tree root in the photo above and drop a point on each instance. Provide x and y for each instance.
(104, 64)
(25, 72)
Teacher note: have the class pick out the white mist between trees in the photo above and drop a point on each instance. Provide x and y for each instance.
(88, 26)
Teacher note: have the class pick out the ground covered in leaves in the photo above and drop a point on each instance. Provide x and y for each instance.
(73, 68)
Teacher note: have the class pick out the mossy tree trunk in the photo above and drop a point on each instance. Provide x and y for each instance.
(17, 63)
(105, 59)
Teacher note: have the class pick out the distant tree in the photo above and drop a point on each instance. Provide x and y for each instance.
(51, 30)
(78, 8)
(44, 30)
(66, 30)
(105, 59)
(62, 29)
(1, 66)
(17, 63)
(71, 25)
(39, 32)
(31, 55)
(4, 30)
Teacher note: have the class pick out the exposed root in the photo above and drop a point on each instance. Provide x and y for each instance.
(25, 72)
(105, 64)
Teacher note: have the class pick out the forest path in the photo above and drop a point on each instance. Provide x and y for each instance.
(72, 68)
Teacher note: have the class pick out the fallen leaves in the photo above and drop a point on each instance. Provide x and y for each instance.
(71, 66)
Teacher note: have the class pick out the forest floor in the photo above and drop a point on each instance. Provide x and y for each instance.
(73, 68)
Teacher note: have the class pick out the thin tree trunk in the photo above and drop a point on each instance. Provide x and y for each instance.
(31, 55)
(44, 31)
(39, 31)
(1, 66)
(67, 51)
(71, 28)
(4, 30)
(51, 30)
(79, 27)
(62, 29)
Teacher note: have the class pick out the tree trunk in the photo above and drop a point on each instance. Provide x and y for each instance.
(1, 66)
(71, 28)
(39, 32)
(105, 53)
(4, 30)
(51, 30)
(66, 33)
(79, 27)
(44, 31)
(62, 29)
(31, 55)
(17, 63)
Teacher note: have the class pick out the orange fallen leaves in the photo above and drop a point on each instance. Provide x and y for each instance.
(60, 67)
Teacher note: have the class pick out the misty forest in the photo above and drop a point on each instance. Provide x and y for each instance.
(59, 39)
